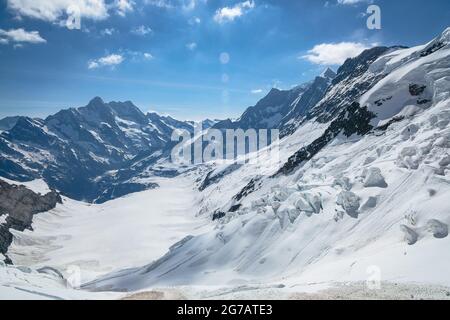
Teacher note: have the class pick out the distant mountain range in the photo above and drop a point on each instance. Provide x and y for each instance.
(94, 153)
(74, 148)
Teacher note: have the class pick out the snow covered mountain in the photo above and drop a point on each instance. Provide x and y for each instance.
(361, 186)
(360, 189)
(75, 150)
(282, 108)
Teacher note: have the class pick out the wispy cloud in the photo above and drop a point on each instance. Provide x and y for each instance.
(108, 32)
(257, 91)
(20, 36)
(111, 60)
(124, 6)
(334, 53)
(352, 2)
(148, 56)
(194, 20)
(191, 46)
(227, 14)
(142, 30)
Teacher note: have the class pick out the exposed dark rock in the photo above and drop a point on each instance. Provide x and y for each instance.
(218, 215)
(235, 207)
(249, 188)
(423, 101)
(385, 126)
(20, 205)
(432, 49)
(348, 86)
(380, 102)
(353, 120)
(416, 89)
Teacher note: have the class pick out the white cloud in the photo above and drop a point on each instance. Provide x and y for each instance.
(227, 14)
(108, 32)
(334, 53)
(124, 6)
(191, 46)
(111, 60)
(257, 91)
(20, 36)
(57, 10)
(187, 5)
(159, 3)
(148, 56)
(194, 21)
(142, 30)
(350, 2)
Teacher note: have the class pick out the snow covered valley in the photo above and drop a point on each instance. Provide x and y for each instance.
(356, 207)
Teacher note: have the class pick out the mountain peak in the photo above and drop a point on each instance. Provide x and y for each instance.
(96, 101)
(328, 73)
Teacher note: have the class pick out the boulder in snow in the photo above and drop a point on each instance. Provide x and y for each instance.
(343, 182)
(369, 204)
(350, 202)
(374, 178)
(410, 235)
(437, 228)
(445, 162)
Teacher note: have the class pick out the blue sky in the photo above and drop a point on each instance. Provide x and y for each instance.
(191, 59)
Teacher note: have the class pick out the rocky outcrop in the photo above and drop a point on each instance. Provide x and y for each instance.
(352, 120)
(18, 205)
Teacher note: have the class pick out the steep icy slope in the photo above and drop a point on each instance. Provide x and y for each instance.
(371, 196)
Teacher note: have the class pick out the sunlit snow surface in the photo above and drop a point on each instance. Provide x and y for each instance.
(268, 241)
(370, 208)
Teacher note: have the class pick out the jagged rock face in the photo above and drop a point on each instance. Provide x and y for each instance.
(352, 120)
(19, 205)
(307, 100)
(74, 148)
(351, 82)
(268, 112)
(281, 109)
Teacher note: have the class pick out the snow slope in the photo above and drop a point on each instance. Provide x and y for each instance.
(376, 202)
(119, 234)
(362, 207)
